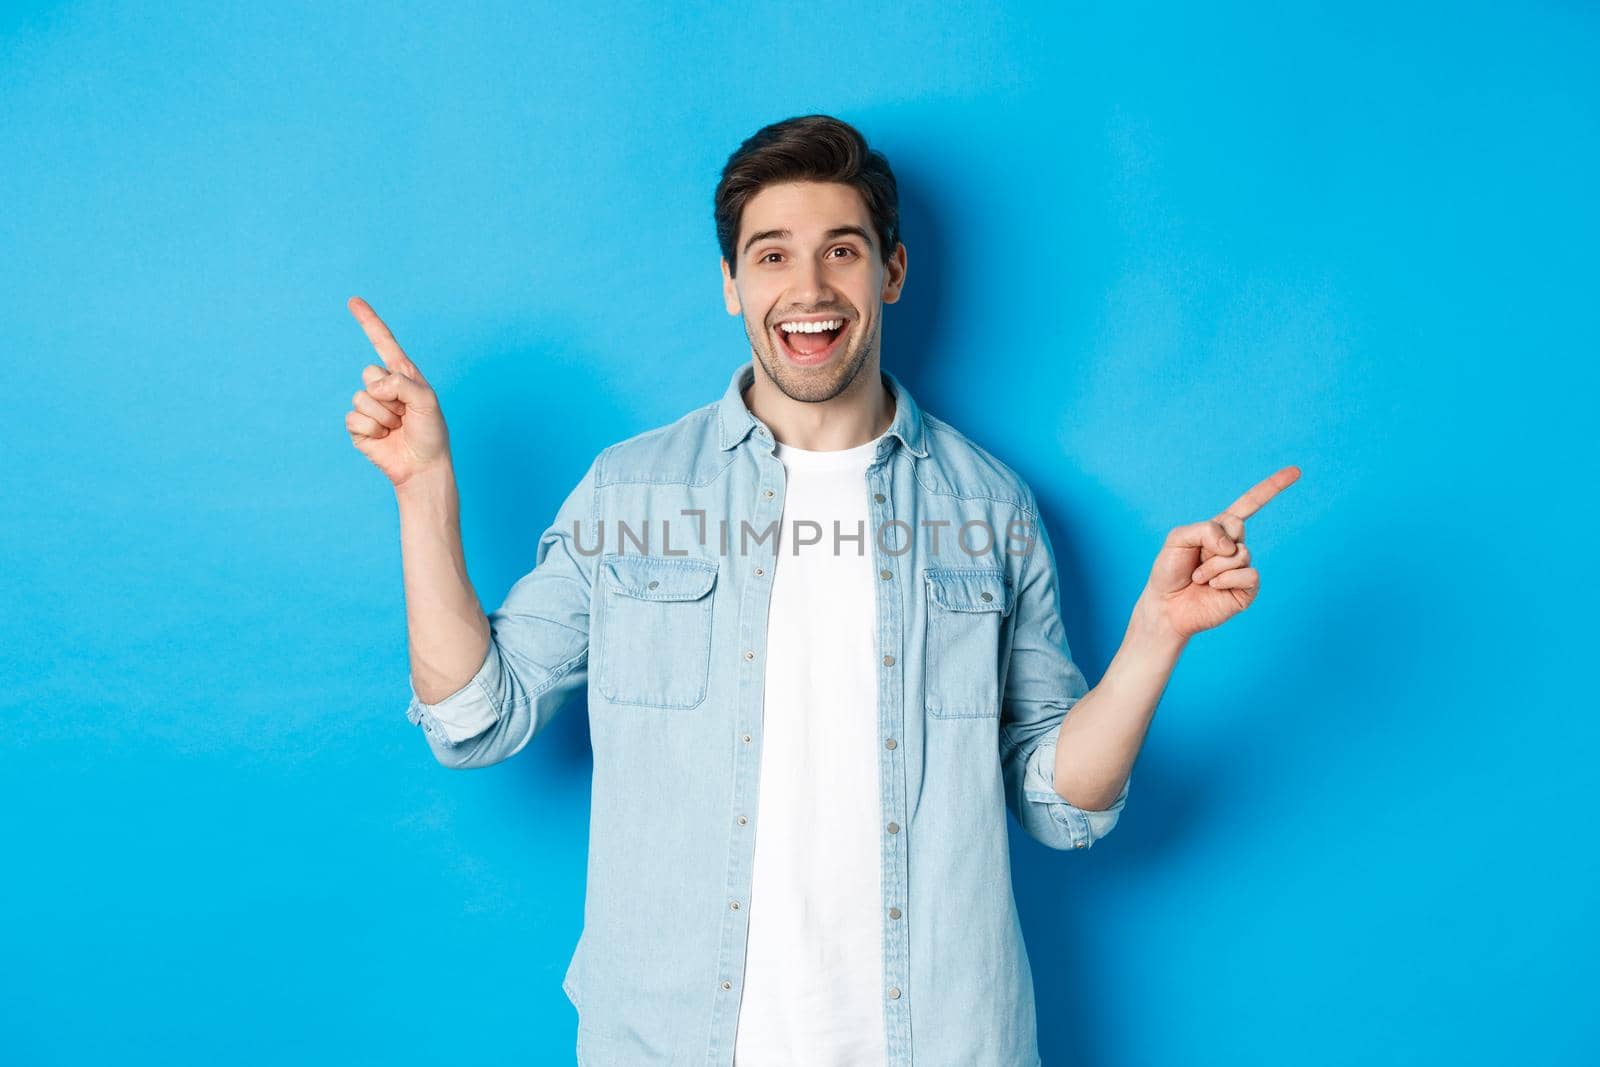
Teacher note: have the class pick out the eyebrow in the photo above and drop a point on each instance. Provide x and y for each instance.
(837, 231)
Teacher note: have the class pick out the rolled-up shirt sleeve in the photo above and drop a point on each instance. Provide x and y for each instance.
(537, 657)
(1082, 826)
(467, 712)
(1042, 683)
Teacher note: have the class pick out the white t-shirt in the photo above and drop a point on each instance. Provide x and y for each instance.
(813, 985)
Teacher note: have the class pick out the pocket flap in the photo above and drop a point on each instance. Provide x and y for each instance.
(970, 588)
(659, 577)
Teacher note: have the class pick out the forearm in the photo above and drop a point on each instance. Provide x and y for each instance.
(447, 630)
(1103, 732)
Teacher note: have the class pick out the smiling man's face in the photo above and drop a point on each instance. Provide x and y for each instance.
(807, 252)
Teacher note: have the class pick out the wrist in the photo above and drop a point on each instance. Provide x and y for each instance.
(430, 481)
(428, 492)
(1151, 629)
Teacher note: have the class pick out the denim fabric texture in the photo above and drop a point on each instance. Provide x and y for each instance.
(662, 627)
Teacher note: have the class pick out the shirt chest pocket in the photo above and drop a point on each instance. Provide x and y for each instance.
(655, 641)
(961, 654)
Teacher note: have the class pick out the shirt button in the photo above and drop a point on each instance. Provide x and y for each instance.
(894, 913)
(885, 575)
(748, 654)
(727, 985)
(894, 992)
(878, 497)
(733, 904)
(890, 743)
(888, 661)
(746, 739)
(894, 828)
(767, 493)
(1078, 845)
(759, 572)
(986, 596)
(743, 820)
(654, 584)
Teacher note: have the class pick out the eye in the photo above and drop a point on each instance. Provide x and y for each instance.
(836, 248)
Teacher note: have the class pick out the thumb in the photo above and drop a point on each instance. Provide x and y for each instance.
(1208, 535)
(409, 391)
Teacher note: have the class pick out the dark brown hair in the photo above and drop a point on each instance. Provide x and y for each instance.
(807, 148)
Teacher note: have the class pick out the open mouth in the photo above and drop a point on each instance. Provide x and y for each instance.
(811, 348)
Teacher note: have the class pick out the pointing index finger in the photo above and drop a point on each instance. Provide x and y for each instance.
(1263, 491)
(383, 341)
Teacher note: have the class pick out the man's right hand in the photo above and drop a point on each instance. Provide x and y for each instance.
(395, 420)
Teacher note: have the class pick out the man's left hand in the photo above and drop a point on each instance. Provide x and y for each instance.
(1203, 575)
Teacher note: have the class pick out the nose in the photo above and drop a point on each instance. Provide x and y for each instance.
(810, 288)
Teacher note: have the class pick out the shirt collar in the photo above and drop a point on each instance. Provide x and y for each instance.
(734, 420)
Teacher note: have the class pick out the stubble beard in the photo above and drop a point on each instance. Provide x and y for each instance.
(823, 383)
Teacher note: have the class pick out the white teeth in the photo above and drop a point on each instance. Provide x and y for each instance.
(811, 327)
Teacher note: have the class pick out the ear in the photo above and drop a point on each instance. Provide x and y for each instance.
(894, 274)
(730, 292)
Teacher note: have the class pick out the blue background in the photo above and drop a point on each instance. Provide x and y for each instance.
(1156, 252)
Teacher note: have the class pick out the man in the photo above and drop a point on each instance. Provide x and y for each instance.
(820, 638)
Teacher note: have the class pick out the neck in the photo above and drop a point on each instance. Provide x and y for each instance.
(860, 413)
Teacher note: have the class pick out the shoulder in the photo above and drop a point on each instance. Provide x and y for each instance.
(683, 451)
(959, 466)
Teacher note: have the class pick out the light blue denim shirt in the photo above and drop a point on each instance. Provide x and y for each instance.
(663, 627)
